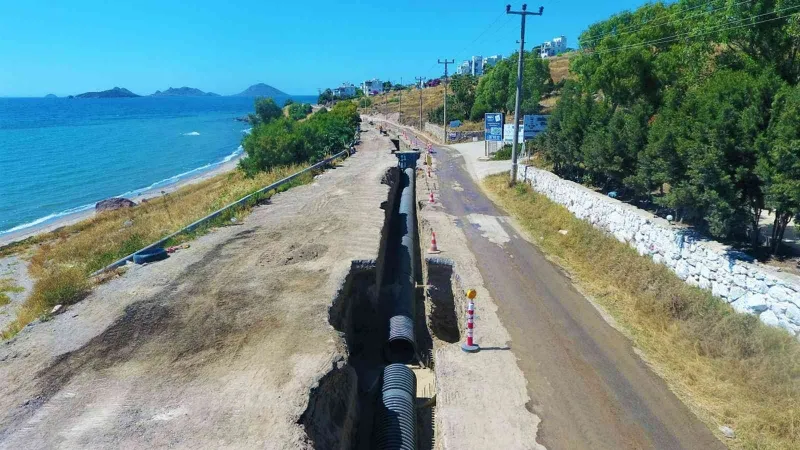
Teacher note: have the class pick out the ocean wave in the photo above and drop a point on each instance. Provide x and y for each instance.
(48, 218)
(247, 130)
(130, 194)
(193, 133)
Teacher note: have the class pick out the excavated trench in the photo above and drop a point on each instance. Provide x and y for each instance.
(365, 402)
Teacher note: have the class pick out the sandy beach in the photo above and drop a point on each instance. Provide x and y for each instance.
(70, 219)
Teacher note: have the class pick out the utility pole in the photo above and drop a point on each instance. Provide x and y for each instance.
(400, 106)
(445, 62)
(524, 13)
(420, 80)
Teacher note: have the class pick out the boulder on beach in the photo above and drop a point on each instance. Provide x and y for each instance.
(111, 204)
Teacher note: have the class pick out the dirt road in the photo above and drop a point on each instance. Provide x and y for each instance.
(585, 382)
(216, 347)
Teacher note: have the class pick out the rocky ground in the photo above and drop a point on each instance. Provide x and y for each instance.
(218, 346)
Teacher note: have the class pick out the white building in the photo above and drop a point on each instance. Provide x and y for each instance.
(491, 61)
(345, 90)
(372, 87)
(464, 68)
(553, 47)
(476, 63)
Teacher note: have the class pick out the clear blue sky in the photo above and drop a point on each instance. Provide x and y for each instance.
(69, 47)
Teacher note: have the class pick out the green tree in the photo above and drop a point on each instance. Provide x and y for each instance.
(463, 88)
(779, 166)
(298, 111)
(267, 110)
(719, 125)
(566, 129)
(492, 91)
(325, 97)
(284, 141)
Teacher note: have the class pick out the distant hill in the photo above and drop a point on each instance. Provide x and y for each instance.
(183, 92)
(51, 96)
(260, 90)
(117, 92)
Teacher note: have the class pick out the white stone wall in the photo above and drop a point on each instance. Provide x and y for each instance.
(749, 287)
(435, 130)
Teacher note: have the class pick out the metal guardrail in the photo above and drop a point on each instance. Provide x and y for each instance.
(194, 225)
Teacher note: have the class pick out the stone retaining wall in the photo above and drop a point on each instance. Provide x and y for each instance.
(730, 275)
(435, 131)
(460, 136)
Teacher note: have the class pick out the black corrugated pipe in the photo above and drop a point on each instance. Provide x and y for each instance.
(401, 345)
(397, 418)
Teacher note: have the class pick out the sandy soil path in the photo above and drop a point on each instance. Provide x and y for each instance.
(216, 347)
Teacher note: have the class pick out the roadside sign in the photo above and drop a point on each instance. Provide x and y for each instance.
(534, 124)
(493, 129)
(508, 133)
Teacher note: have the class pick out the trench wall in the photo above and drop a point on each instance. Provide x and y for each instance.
(730, 275)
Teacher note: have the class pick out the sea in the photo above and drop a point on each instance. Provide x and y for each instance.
(60, 156)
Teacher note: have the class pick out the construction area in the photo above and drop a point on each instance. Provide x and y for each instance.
(388, 304)
(318, 322)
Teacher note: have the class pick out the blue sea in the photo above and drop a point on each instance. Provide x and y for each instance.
(61, 156)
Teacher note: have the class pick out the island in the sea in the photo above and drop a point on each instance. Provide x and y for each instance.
(51, 96)
(260, 90)
(183, 92)
(117, 92)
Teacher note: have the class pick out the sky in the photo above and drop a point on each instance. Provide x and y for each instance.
(69, 47)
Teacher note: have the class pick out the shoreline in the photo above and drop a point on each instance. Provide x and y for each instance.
(73, 218)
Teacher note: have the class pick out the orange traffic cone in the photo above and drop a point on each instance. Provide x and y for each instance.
(434, 249)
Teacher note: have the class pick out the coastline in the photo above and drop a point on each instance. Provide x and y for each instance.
(73, 218)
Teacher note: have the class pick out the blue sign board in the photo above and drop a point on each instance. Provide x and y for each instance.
(494, 127)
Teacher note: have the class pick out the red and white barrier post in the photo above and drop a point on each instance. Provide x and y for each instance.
(469, 346)
(434, 248)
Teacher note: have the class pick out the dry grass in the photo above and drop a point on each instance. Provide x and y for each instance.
(61, 261)
(389, 103)
(559, 67)
(727, 367)
(7, 285)
(432, 98)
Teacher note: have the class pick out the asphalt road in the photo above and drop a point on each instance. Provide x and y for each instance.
(584, 380)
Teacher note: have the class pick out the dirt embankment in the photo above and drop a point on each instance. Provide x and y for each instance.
(217, 346)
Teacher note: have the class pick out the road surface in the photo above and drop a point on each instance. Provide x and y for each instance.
(585, 382)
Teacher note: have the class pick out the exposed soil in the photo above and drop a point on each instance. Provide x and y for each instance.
(13, 274)
(217, 346)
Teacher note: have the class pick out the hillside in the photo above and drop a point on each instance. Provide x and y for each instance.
(116, 92)
(260, 90)
(183, 92)
(389, 103)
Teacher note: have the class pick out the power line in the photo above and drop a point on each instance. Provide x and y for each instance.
(650, 24)
(723, 27)
(488, 28)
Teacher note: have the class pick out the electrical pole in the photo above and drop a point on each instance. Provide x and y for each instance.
(524, 13)
(445, 62)
(400, 106)
(420, 80)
